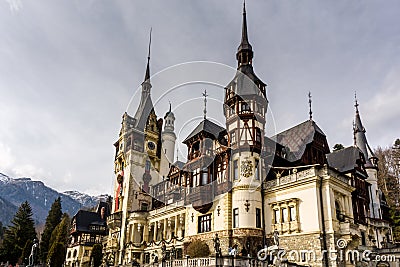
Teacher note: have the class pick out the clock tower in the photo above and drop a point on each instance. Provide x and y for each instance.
(245, 107)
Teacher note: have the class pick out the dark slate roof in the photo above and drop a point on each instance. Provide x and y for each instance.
(344, 160)
(208, 127)
(245, 81)
(297, 138)
(178, 164)
(85, 218)
(361, 140)
(143, 111)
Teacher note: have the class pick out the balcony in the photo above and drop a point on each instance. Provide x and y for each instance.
(222, 188)
(114, 220)
(201, 197)
(348, 228)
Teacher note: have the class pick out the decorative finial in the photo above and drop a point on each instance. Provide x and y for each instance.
(205, 103)
(309, 102)
(147, 75)
(169, 106)
(355, 101)
(177, 151)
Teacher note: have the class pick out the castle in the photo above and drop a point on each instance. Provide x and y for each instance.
(240, 184)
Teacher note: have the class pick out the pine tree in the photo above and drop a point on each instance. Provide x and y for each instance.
(52, 220)
(97, 255)
(58, 243)
(1, 232)
(21, 231)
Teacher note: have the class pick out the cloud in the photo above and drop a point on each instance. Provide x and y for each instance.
(15, 5)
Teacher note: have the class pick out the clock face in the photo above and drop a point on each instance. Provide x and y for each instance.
(246, 168)
(151, 145)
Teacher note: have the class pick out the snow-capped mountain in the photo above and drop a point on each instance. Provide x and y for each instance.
(14, 191)
(85, 199)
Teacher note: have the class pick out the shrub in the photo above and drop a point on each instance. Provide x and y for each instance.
(198, 248)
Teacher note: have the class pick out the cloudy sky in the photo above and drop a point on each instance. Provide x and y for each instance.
(69, 68)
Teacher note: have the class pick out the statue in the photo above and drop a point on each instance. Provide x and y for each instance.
(163, 250)
(34, 251)
(276, 238)
(173, 253)
(217, 246)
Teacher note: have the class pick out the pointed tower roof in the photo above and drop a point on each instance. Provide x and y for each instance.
(146, 104)
(244, 44)
(244, 53)
(246, 81)
(360, 139)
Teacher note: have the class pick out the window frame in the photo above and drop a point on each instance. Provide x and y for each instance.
(236, 170)
(258, 218)
(204, 223)
(235, 218)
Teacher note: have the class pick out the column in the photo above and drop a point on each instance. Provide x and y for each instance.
(176, 225)
(131, 232)
(145, 232)
(165, 229)
(155, 231)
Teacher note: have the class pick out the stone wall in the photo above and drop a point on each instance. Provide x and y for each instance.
(302, 244)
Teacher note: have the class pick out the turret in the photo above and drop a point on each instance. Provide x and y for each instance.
(168, 136)
(245, 112)
(371, 165)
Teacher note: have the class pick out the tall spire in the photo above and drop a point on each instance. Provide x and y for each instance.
(146, 105)
(356, 102)
(360, 139)
(245, 39)
(147, 75)
(309, 102)
(244, 54)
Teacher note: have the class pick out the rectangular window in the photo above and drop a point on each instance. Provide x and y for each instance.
(235, 170)
(144, 206)
(232, 109)
(204, 223)
(196, 177)
(204, 177)
(276, 216)
(233, 137)
(284, 215)
(245, 107)
(258, 135)
(363, 239)
(292, 214)
(235, 218)
(257, 170)
(258, 218)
